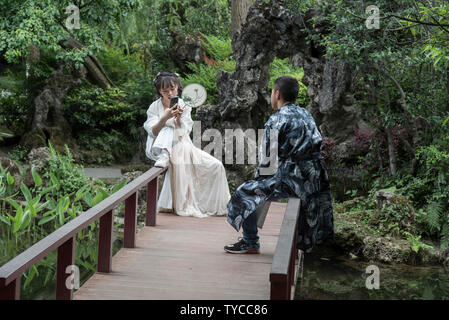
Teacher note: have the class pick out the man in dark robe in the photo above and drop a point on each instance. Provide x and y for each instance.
(290, 165)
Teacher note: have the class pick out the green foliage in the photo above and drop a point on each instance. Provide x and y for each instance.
(14, 103)
(281, 67)
(113, 145)
(43, 23)
(219, 50)
(206, 76)
(63, 172)
(30, 214)
(216, 48)
(92, 107)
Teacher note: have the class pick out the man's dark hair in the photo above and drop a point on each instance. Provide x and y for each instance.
(165, 79)
(288, 86)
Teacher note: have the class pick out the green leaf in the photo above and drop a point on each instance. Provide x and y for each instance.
(33, 272)
(17, 220)
(60, 211)
(445, 121)
(5, 220)
(26, 219)
(80, 193)
(119, 186)
(48, 213)
(55, 181)
(98, 198)
(45, 220)
(36, 177)
(9, 178)
(26, 192)
(42, 206)
(88, 199)
(14, 204)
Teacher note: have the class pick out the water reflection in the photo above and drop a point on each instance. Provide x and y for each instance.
(330, 275)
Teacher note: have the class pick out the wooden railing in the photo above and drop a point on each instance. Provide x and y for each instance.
(282, 275)
(64, 238)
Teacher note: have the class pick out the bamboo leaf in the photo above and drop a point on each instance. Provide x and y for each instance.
(98, 198)
(88, 199)
(17, 220)
(36, 177)
(45, 220)
(119, 186)
(55, 181)
(48, 213)
(5, 220)
(26, 192)
(9, 178)
(33, 272)
(80, 193)
(60, 211)
(26, 219)
(14, 204)
(445, 121)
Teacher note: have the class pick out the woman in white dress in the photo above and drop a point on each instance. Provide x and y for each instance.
(195, 183)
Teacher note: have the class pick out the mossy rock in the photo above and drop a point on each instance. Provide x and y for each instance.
(349, 233)
(393, 210)
(96, 157)
(386, 249)
(136, 167)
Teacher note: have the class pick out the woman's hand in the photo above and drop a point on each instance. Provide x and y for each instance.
(178, 115)
(170, 112)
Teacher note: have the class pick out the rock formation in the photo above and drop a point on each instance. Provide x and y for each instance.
(272, 31)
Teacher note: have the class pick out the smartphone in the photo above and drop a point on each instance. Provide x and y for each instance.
(174, 101)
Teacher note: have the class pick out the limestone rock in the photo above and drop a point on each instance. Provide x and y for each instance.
(187, 49)
(394, 208)
(13, 169)
(386, 249)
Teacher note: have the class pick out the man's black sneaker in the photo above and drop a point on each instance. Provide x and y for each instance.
(243, 247)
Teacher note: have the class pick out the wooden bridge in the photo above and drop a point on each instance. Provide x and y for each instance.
(175, 258)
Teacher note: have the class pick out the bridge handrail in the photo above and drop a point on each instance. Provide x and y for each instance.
(64, 238)
(283, 266)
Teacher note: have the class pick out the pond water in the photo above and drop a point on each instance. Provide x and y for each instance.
(330, 275)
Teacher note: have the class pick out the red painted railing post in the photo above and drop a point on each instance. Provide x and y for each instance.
(105, 242)
(66, 257)
(129, 236)
(294, 245)
(11, 291)
(151, 202)
(279, 288)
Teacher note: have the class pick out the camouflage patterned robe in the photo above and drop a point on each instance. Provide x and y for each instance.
(299, 172)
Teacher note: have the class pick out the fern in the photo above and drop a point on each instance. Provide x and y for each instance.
(434, 212)
(445, 236)
(218, 49)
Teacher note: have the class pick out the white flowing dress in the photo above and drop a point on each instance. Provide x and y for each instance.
(195, 183)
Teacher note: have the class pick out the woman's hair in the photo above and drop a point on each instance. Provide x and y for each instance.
(165, 79)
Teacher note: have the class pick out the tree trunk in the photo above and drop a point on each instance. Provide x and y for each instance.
(239, 10)
(93, 66)
(411, 147)
(447, 88)
(49, 124)
(391, 151)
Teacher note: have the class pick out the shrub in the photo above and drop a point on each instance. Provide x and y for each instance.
(89, 107)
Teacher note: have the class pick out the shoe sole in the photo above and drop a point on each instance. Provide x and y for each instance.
(250, 251)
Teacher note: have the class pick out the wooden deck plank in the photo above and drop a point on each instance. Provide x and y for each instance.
(183, 258)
